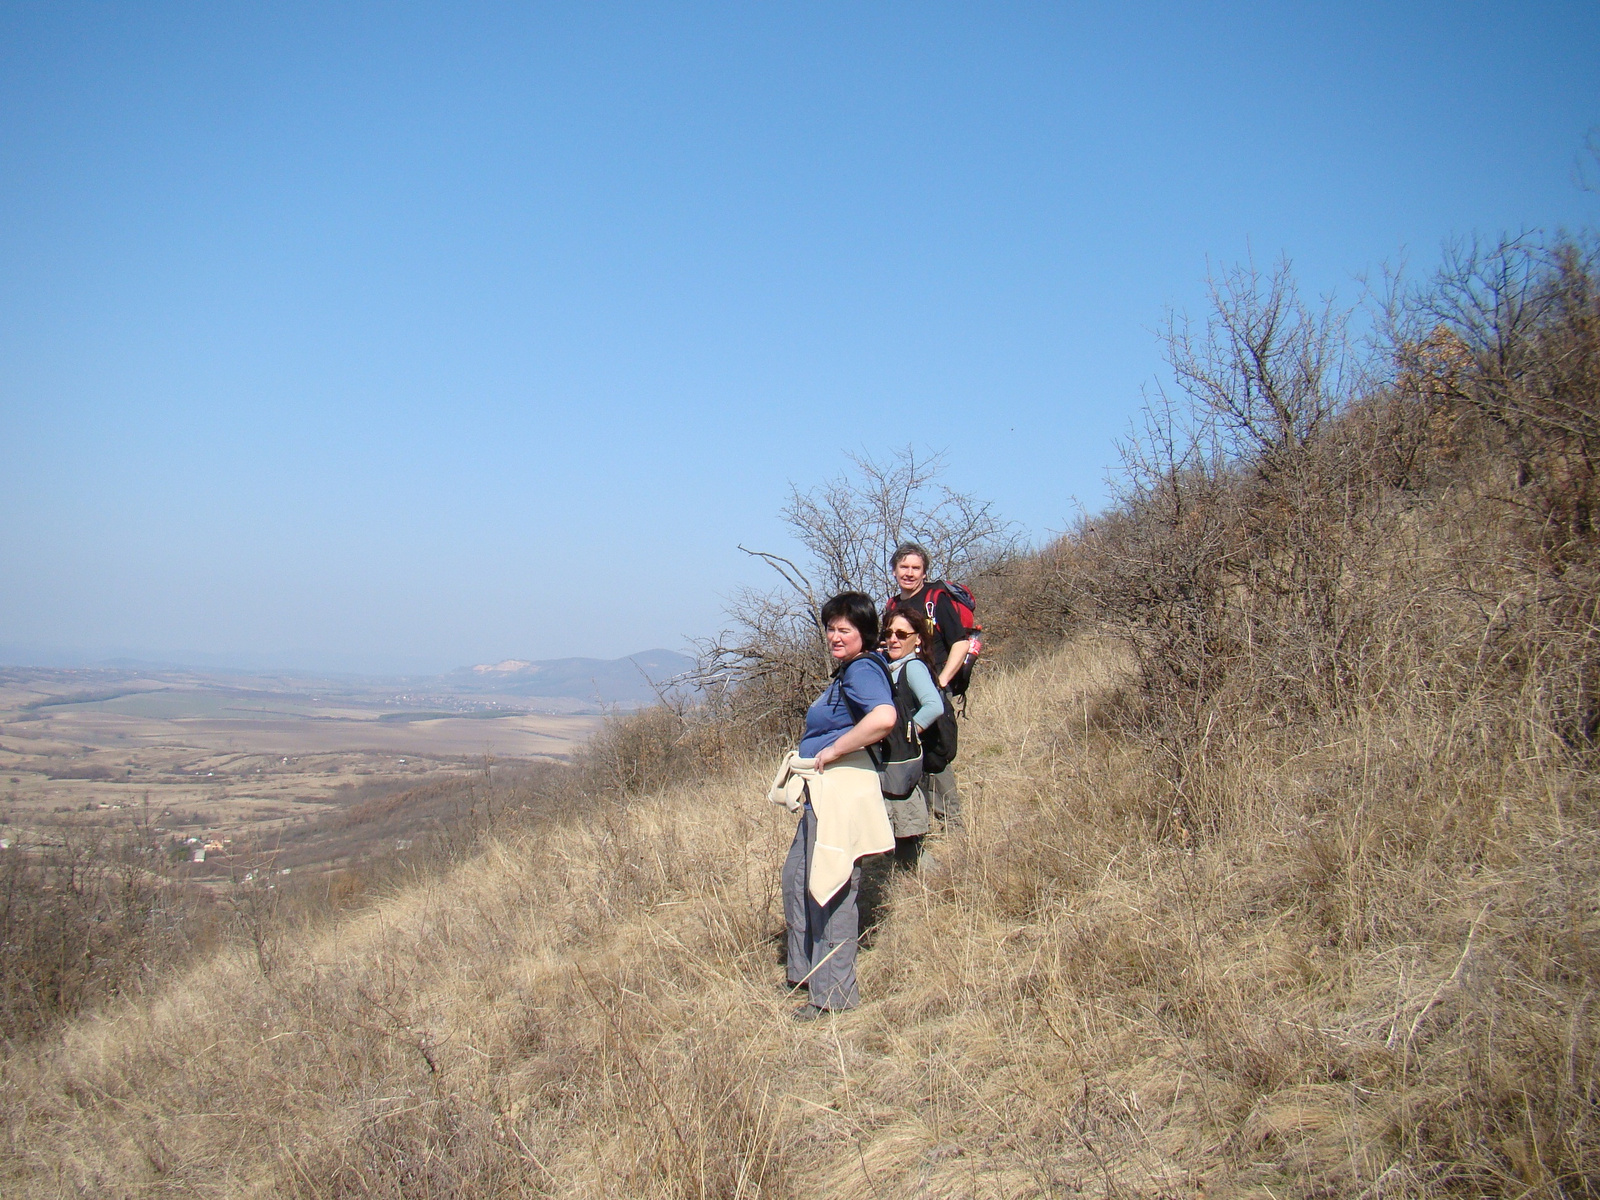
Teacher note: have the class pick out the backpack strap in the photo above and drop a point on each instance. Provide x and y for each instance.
(882, 666)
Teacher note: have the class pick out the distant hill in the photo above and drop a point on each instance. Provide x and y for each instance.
(607, 681)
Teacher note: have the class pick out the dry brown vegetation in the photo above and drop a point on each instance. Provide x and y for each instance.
(91, 910)
(94, 912)
(1280, 875)
(1372, 971)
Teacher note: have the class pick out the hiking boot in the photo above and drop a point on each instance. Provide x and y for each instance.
(808, 1012)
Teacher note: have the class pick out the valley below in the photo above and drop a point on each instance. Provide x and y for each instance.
(231, 771)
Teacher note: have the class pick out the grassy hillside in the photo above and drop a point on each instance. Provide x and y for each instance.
(1280, 876)
(1370, 977)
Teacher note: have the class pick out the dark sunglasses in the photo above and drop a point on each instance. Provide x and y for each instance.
(895, 635)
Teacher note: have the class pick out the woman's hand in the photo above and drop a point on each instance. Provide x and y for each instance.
(863, 733)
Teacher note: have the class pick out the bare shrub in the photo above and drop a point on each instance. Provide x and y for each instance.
(1507, 357)
(1246, 518)
(1032, 602)
(1305, 530)
(639, 752)
(851, 525)
(86, 913)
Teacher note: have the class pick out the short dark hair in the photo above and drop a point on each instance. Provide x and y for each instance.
(860, 611)
(906, 549)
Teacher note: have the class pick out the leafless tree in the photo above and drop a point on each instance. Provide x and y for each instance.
(770, 664)
(1267, 368)
(851, 525)
(1227, 559)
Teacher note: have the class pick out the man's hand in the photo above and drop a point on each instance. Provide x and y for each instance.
(952, 663)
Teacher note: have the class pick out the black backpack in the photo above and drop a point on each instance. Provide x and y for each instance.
(898, 756)
(939, 739)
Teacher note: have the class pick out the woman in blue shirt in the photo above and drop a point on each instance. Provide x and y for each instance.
(853, 712)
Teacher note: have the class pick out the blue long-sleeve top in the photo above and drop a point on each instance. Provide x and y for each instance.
(929, 705)
(859, 688)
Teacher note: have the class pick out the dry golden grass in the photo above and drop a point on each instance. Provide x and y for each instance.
(1358, 968)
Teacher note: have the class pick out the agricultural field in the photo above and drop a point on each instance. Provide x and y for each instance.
(243, 760)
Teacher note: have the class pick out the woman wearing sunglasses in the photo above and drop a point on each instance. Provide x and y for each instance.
(907, 634)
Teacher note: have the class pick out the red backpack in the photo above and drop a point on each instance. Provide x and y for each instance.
(961, 600)
(965, 607)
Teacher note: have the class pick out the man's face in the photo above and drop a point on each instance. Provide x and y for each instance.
(910, 572)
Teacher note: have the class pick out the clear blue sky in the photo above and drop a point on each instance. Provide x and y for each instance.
(398, 336)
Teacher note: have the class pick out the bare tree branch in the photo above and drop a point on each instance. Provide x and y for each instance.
(773, 659)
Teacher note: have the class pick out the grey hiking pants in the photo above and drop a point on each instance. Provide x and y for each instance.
(944, 801)
(822, 937)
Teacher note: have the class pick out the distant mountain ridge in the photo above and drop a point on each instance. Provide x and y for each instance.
(629, 680)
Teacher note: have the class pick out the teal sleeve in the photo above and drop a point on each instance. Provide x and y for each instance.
(929, 706)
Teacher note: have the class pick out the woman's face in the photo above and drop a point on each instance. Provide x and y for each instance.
(844, 639)
(900, 639)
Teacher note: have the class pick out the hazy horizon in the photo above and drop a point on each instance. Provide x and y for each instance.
(286, 661)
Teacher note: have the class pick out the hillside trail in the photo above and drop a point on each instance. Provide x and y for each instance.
(1085, 993)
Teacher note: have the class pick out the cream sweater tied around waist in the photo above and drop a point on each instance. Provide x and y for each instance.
(851, 818)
